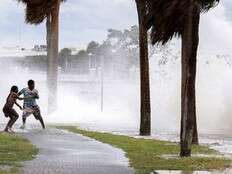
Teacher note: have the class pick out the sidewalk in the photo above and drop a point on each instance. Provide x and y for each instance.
(61, 152)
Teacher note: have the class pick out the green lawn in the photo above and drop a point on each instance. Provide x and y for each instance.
(13, 150)
(146, 156)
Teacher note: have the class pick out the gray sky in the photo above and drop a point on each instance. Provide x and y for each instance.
(81, 21)
(86, 20)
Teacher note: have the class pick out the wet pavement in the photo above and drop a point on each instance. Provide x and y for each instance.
(61, 152)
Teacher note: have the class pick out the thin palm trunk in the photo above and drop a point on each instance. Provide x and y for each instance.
(145, 122)
(190, 41)
(195, 131)
(48, 27)
(53, 45)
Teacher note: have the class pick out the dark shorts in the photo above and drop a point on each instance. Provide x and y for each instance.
(10, 112)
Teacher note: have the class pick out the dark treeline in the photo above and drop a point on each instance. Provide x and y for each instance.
(118, 54)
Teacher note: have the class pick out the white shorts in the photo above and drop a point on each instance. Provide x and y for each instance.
(28, 111)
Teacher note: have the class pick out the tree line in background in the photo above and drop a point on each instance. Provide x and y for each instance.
(120, 53)
(166, 19)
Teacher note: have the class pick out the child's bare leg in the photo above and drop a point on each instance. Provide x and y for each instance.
(13, 121)
(24, 120)
(37, 115)
(7, 114)
(24, 117)
(24, 123)
(41, 122)
(14, 118)
(7, 126)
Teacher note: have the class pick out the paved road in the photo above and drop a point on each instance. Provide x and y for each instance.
(61, 152)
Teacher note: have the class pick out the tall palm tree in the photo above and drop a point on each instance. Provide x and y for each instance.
(53, 50)
(145, 108)
(36, 12)
(171, 18)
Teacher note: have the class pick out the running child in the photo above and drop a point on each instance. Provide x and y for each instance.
(29, 105)
(8, 108)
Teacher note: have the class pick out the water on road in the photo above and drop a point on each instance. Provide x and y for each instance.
(61, 152)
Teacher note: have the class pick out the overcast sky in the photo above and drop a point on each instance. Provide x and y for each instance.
(86, 20)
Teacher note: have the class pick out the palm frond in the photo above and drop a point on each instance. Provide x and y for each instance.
(37, 10)
(206, 5)
(167, 17)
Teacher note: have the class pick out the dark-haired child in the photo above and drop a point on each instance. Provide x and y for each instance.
(8, 108)
(29, 105)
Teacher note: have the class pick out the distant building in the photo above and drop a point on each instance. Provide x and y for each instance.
(20, 52)
(40, 48)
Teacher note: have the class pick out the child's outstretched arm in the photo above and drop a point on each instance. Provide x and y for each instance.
(23, 98)
(21, 92)
(20, 98)
(20, 107)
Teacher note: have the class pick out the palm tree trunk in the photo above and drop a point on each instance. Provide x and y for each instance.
(190, 41)
(145, 122)
(53, 46)
(48, 27)
(195, 140)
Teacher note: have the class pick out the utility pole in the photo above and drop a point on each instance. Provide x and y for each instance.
(102, 83)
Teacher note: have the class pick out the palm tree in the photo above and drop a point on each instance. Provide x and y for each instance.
(36, 12)
(145, 108)
(171, 18)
